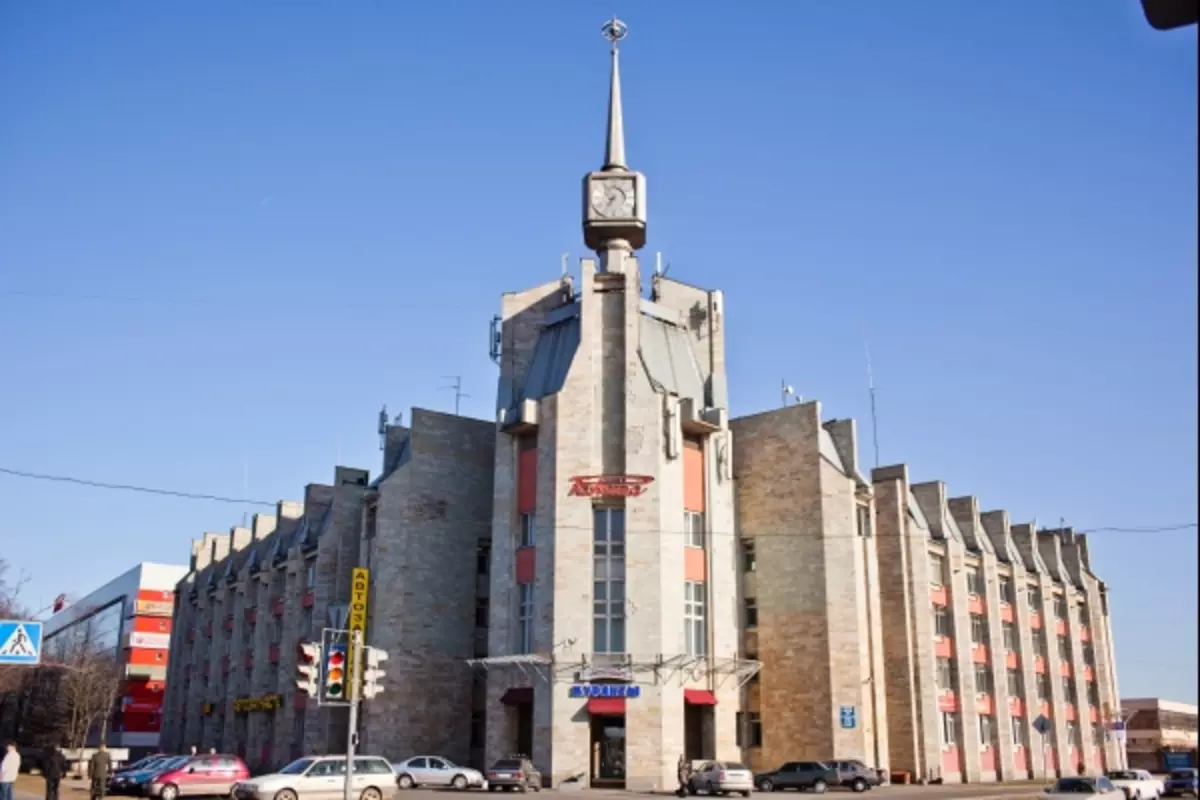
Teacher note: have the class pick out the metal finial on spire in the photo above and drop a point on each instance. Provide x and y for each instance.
(614, 152)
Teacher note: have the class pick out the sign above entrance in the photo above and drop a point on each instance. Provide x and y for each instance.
(605, 690)
(609, 485)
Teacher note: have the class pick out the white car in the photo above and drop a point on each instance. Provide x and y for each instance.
(720, 777)
(322, 778)
(1137, 784)
(436, 771)
(1084, 788)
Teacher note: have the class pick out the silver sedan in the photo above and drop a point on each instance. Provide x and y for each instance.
(436, 771)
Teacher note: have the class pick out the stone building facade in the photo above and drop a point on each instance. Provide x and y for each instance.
(987, 626)
(613, 574)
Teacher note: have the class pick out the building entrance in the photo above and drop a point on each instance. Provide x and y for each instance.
(608, 751)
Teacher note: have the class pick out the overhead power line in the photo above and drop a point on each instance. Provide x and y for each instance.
(488, 520)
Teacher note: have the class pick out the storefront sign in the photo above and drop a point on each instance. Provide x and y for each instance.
(356, 617)
(154, 608)
(268, 702)
(588, 674)
(605, 690)
(609, 485)
(154, 641)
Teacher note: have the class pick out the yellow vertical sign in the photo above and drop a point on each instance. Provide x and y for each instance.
(356, 619)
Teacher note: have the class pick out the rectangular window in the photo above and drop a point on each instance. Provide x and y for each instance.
(975, 581)
(693, 527)
(749, 561)
(1009, 633)
(695, 628)
(987, 731)
(937, 569)
(949, 729)
(1014, 683)
(942, 625)
(1043, 686)
(1035, 598)
(978, 629)
(483, 557)
(608, 571)
(1006, 590)
(528, 533)
(1068, 687)
(1019, 733)
(481, 612)
(945, 674)
(524, 618)
(1089, 655)
(1039, 643)
(1093, 694)
(1072, 734)
(983, 679)
(310, 573)
(1064, 649)
(754, 731)
(751, 613)
(864, 521)
(1060, 607)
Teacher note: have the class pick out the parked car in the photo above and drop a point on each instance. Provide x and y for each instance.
(855, 775)
(1182, 782)
(720, 777)
(1138, 784)
(811, 775)
(134, 782)
(198, 776)
(436, 771)
(321, 778)
(118, 781)
(514, 773)
(1099, 788)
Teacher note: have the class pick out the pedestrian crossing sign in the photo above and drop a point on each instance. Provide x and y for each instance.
(20, 642)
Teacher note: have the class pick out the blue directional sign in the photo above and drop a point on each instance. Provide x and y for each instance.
(849, 716)
(20, 642)
(1042, 725)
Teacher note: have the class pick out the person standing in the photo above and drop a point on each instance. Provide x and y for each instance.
(683, 772)
(99, 768)
(54, 766)
(10, 768)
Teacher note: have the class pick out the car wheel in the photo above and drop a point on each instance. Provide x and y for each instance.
(691, 787)
(492, 788)
(371, 793)
(766, 786)
(819, 787)
(169, 792)
(459, 782)
(285, 794)
(745, 794)
(859, 785)
(404, 782)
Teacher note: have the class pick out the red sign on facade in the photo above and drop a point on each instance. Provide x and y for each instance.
(609, 485)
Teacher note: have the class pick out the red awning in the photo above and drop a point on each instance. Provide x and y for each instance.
(518, 696)
(699, 697)
(606, 706)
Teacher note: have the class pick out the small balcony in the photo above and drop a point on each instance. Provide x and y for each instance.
(308, 599)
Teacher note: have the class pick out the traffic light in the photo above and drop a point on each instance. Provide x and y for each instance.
(309, 668)
(335, 672)
(372, 674)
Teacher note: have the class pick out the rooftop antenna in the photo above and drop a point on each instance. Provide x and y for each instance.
(658, 267)
(565, 263)
(458, 392)
(383, 426)
(787, 391)
(871, 392)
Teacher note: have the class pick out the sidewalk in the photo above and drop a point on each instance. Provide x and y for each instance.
(35, 786)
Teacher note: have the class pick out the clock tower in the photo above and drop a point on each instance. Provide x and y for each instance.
(614, 198)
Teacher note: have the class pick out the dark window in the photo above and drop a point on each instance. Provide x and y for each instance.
(749, 560)
(481, 612)
(751, 612)
(483, 557)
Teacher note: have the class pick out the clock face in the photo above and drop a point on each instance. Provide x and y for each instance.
(613, 198)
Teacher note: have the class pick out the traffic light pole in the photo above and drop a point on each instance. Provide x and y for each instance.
(352, 694)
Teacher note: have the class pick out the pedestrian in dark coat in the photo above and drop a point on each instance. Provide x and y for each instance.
(54, 767)
(683, 773)
(99, 768)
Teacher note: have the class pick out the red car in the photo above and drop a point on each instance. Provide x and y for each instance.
(208, 776)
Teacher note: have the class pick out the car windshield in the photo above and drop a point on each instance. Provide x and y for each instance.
(1183, 774)
(146, 762)
(1122, 775)
(296, 767)
(507, 763)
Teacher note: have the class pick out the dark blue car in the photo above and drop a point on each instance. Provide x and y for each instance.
(1182, 782)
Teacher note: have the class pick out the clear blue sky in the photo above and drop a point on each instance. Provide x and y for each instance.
(230, 231)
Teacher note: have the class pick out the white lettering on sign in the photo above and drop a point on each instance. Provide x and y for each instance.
(605, 690)
(154, 641)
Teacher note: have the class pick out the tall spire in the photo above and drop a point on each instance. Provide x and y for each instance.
(614, 151)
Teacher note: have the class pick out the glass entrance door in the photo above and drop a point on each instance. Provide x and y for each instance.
(609, 735)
